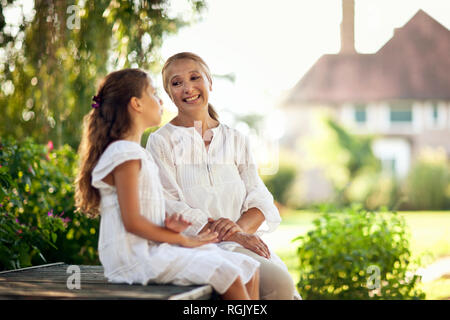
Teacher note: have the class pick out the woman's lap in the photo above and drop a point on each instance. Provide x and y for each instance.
(275, 282)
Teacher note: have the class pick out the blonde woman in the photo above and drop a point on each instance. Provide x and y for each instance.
(209, 176)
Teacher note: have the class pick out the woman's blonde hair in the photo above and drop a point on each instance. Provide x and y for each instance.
(107, 122)
(189, 55)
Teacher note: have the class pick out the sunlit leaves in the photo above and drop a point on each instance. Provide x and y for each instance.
(64, 61)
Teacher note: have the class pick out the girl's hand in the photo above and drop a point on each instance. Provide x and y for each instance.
(176, 222)
(201, 239)
(224, 227)
(251, 242)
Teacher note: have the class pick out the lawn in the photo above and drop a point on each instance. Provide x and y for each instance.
(430, 240)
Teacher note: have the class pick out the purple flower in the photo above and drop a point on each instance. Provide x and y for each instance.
(50, 213)
(65, 221)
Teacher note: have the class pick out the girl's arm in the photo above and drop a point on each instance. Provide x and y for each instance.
(126, 182)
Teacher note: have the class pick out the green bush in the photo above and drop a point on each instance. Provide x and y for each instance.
(38, 223)
(356, 254)
(279, 183)
(427, 186)
(379, 190)
(21, 245)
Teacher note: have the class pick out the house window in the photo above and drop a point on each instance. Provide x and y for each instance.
(435, 115)
(360, 114)
(401, 115)
(389, 166)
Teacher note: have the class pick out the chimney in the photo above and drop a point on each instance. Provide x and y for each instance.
(348, 27)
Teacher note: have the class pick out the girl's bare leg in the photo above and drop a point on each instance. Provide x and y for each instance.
(237, 291)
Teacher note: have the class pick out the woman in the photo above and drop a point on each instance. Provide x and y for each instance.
(209, 176)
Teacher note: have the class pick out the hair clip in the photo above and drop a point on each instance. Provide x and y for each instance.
(97, 102)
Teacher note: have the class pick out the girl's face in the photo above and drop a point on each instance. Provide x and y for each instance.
(152, 106)
(188, 85)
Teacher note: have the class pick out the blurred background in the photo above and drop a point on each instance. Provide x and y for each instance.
(347, 103)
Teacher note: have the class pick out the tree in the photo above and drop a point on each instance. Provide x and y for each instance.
(51, 59)
(359, 156)
(346, 158)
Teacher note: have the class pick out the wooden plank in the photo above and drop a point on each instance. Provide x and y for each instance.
(50, 282)
(54, 273)
(36, 290)
(201, 293)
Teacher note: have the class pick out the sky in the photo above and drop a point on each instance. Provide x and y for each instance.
(270, 45)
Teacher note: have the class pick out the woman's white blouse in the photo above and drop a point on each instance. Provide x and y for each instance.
(220, 181)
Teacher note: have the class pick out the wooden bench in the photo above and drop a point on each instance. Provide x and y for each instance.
(50, 282)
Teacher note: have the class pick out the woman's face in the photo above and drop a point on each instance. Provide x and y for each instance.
(188, 85)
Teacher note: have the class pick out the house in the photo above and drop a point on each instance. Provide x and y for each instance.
(400, 94)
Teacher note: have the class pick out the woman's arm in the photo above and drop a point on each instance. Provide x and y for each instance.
(258, 205)
(242, 231)
(251, 220)
(126, 182)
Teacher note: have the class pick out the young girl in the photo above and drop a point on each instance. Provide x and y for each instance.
(118, 179)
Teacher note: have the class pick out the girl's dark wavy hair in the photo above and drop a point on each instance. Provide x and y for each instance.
(103, 125)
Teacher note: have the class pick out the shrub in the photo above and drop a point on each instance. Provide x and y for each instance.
(383, 190)
(428, 183)
(38, 223)
(21, 244)
(279, 183)
(356, 255)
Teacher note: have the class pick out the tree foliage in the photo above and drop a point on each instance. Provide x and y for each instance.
(52, 56)
(347, 160)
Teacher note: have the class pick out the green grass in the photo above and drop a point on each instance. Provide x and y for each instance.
(429, 240)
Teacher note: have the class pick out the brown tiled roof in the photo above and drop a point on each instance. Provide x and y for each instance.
(414, 64)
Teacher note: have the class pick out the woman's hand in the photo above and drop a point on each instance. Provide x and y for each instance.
(251, 242)
(230, 231)
(200, 239)
(176, 222)
(224, 227)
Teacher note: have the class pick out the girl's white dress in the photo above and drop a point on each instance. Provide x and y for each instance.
(132, 259)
